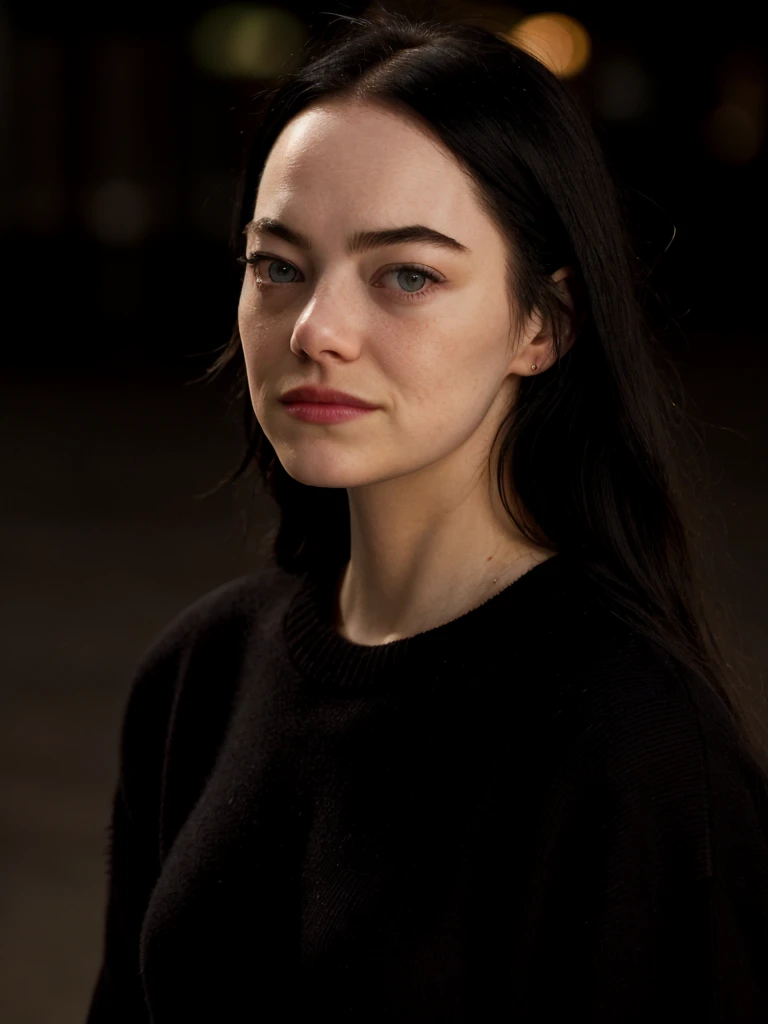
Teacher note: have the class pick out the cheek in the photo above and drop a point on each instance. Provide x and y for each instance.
(246, 314)
(416, 356)
(254, 341)
(255, 331)
(438, 366)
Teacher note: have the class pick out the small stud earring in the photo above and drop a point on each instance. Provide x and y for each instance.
(534, 366)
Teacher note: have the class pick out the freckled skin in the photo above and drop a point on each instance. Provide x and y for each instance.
(428, 531)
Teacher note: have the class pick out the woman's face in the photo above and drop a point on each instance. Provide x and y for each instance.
(434, 355)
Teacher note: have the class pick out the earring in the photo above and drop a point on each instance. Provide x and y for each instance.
(534, 366)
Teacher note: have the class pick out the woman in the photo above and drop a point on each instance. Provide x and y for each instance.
(443, 759)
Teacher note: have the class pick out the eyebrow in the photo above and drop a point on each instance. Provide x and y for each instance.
(361, 241)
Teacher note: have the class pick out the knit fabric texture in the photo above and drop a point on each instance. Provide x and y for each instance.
(526, 814)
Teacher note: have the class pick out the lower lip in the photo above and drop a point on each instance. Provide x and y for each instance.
(324, 412)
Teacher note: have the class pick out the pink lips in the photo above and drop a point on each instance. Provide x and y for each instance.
(313, 394)
(325, 412)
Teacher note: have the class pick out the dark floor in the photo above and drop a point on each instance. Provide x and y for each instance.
(104, 542)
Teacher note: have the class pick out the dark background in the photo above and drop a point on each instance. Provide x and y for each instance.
(119, 148)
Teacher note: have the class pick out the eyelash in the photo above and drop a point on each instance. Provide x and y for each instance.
(255, 258)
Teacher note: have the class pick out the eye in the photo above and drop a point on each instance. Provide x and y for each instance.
(255, 258)
(405, 274)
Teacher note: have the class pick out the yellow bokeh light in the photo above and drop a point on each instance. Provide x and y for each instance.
(558, 41)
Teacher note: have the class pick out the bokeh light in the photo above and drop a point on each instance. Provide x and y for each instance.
(558, 41)
(246, 41)
(734, 131)
(118, 211)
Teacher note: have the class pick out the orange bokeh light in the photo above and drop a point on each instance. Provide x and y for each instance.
(558, 41)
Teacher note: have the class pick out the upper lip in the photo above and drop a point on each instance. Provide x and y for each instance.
(310, 393)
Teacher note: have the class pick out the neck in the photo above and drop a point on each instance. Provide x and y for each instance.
(373, 609)
(426, 548)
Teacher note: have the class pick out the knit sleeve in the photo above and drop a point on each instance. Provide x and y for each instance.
(133, 838)
(629, 916)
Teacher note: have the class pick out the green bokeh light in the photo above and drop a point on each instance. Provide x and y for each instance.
(246, 41)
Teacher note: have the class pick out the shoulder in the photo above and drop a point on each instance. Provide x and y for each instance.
(651, 753)
(619, 717)
(624, 696)
(601, 667)
(211, 633)
(621, 698)
(625, 708)
(237, 604)
(627, 763)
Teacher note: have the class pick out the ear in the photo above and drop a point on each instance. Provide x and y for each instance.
(538, 347)
(567, 282)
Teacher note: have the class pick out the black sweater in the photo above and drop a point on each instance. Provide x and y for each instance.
(525, 814)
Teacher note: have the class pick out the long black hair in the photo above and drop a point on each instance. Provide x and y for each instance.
(593, 446)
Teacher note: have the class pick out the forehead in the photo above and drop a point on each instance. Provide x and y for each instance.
(362, 159)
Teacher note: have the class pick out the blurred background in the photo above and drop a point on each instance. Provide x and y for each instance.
(120, 143)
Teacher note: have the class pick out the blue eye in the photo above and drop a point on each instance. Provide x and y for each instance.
(408, 270)
(272, 263)
(411, 270)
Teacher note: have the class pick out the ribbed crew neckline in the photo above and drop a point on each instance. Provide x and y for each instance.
(332, 662)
